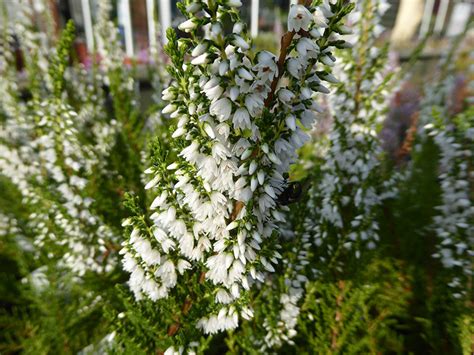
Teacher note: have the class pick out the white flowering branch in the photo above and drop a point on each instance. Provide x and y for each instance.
(237, 134)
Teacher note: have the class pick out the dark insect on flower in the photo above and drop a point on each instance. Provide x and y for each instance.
(291, 194)
(294, 191)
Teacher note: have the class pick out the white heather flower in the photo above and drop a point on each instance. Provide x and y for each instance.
(307, 48)
(153, 182)
(167, 94)
(209, 130)
(220, 152)
(326, 10)
(245, 74)
(330, 78)
(199, 49)
(234, 93)
(209, 83)
(183, 265)
(223, 67)
(238, 27)
(187, 26)
(306, 93)
(299, 18)
(308, 118)
(252, 167)
(241, 119)
(221, 109)
(291, 122)
(179, 132)
(200, 60)
(223, 296)
(159, 200)
(214, 92)
(254, 104)
(261, 177)
(285, 95)
(241, 43)
(234, 3)
(294, 67)
(315, 33)
(319, 19)
(327, 60)
(216, 30)
(266, 66)
(170, 108)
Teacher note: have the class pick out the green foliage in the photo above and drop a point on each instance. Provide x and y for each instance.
(61, 60)
(359, 316)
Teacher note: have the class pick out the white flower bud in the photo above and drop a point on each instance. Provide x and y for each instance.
(291, 122)
(234, 3)
(241, 43)
(202, 59)
(199, 49)
(187, 26)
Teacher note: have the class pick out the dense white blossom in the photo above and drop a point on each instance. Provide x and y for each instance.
(216, 205)
(350, 175)
(453, 222)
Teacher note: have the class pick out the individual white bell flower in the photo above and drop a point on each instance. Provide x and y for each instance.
(307, 48)
(179, 132)
(234, 3)
(241, 43)
(245, 74)
(266, 67)
(153, 182)
(221, 108)
(199, 49)
(315, 33)
(200, 60)
(285, 95)
(187, 26)
(223, 67)
(193, 7)
(294, 67)
(241, 119)
(238, 28)
(254, 103)
(214, 93)
(299, 18)
(326, 10)
(291, 122)
(319, 19)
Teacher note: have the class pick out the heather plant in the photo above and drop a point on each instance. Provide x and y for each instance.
(438, 189)
(217, 210)
(69, 150)
(218, 219)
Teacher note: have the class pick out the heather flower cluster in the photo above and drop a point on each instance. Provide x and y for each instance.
(453, 222)
(240, 119)
(349, 175)
(44, 152)
(350, 189)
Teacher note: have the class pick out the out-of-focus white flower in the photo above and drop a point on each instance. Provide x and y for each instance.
(187, 26)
